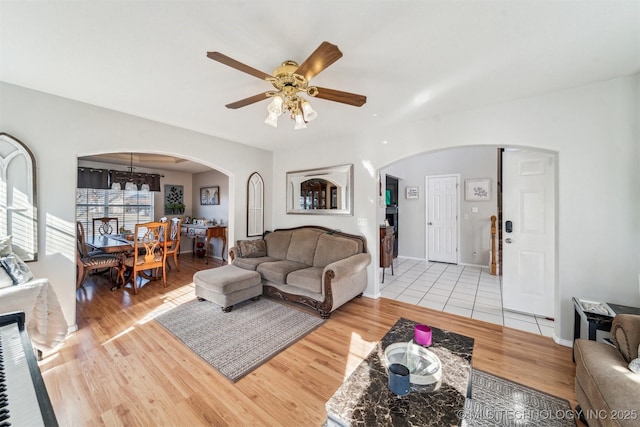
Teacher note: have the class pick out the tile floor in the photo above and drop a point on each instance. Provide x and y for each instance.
(466, 291)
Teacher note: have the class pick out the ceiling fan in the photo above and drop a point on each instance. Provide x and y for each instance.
(290, 80)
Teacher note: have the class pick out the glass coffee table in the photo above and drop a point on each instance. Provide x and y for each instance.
(365, 399)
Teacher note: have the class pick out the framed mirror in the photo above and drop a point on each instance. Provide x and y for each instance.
(18, 207)
(324, 191)
(255, 205)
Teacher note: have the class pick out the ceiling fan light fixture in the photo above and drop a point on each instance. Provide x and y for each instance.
(308, 111)
(289, 81)
(272, 120)
(275, 106)
(300, 124)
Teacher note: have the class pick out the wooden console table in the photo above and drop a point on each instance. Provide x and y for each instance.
(207, 233)
(386, 249)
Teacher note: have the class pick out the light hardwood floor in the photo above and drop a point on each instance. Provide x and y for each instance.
(122, 368)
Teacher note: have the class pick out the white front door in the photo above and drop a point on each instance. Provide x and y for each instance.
(442, 218)
(528, 233)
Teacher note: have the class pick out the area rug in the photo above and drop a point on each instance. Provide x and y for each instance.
(238, 342)
(499, 402)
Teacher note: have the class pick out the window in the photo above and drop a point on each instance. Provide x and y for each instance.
(130, 207)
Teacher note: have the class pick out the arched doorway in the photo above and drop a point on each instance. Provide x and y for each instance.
(471, 163)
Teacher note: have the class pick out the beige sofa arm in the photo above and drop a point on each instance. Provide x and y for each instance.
(625, 333)
(347, 267)
(233, 254)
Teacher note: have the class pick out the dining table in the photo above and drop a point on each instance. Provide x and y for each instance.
(110, 244)
(116, 244)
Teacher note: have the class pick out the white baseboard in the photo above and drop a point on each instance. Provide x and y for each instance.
(372, 296)
(460, 263)
(561, 341)
(411, 258)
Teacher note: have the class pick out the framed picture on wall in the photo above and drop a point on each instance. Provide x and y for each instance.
(412, 192)
(477, 189)
(173, 199)
(210, 195)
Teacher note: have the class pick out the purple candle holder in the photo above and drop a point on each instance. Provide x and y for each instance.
(422, 335)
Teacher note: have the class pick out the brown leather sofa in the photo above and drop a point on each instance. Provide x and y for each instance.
(608, 392)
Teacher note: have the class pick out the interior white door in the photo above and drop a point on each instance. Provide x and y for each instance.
(528, 245)
(442, 219)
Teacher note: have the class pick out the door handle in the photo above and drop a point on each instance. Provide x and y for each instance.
(508, 240)
(430, 223)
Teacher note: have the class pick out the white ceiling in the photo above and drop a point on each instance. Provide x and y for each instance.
(412, 59)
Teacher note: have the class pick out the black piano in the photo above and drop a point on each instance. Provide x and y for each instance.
(24, 400)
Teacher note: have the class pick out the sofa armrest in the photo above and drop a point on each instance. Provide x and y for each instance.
(625, 332)
(347, 267)
(233, 254)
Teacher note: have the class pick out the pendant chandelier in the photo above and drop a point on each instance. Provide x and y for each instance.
(134, 182)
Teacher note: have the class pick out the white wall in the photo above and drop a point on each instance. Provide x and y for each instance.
(59, 130)
(594, 130)
(475, 228)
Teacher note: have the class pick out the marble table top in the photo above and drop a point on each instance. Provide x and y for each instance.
(365, 400)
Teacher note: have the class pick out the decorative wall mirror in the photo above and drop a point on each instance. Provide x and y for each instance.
(324, 191)
(18, 207)
(255, 205)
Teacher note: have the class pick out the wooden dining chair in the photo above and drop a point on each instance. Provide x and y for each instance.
(87, 262)
(105, 225)
(173, 243)
(149, 253)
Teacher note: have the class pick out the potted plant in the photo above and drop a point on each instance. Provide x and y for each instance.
(174, 208)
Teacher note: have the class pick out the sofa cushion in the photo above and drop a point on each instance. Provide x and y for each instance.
(303, 246)
(307, 278)
(251, 263)
(252, 248)
(278, 244)
(277, 271)
(333, 248)
(16, 268)
(5, 279)
(5, 245)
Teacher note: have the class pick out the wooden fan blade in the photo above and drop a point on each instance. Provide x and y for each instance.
(247, 101)
(217, 56)
(340, 96)
(325, 55)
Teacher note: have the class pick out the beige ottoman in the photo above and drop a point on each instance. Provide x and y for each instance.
(227, 285)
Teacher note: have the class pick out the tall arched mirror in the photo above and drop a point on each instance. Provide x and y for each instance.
(18, 207)
(255, 205)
